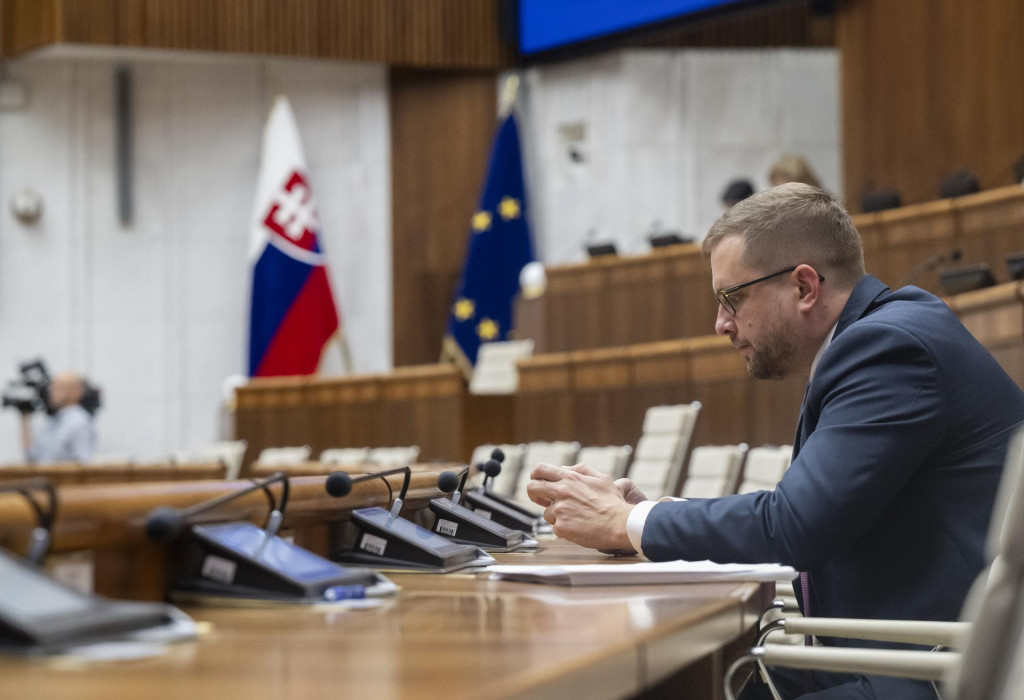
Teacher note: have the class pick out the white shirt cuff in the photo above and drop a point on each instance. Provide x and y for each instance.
(638, 518)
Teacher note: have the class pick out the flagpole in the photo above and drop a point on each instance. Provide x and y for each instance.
(509, 91)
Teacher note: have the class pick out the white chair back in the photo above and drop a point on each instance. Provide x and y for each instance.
(557, 453)
(495, 371)
(661, 451)
(230, 452)
(394, 456)
(713, 470)
(612, 460)
(345, 455)
(992, 653)
(281, 456)
(764, 468)
(505, 482)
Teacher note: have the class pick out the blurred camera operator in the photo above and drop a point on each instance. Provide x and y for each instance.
(69, 435)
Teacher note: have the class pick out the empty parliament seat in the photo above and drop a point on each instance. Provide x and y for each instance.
(394, 456)
(230, 452)
(661, 451)
(612, 460)
(280, 456)
(495, 370)
(505, 482)
(345, 455)
(713, 470)
(558, 453)
(764, 467)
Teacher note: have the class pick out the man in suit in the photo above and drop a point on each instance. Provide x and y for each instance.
(899, 446)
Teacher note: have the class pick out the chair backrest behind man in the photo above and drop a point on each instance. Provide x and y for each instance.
(713, 471)
(764, 468)
(661, 452)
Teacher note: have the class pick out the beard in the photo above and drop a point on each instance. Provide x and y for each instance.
(773, 358)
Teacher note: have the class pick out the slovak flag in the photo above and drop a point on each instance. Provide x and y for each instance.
(293, 314)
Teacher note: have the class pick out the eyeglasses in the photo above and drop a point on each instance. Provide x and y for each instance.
(727, 303)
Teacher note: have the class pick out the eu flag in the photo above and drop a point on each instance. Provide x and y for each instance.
(499, 247)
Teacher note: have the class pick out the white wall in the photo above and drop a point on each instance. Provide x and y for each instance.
(157, 312)
(664, 131)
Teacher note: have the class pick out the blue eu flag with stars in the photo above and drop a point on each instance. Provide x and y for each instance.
(499, 247)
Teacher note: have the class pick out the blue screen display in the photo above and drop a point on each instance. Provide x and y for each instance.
(549, 24)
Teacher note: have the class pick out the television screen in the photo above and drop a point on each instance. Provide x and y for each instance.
(550, 24)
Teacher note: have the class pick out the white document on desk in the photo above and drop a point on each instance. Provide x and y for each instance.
(642, 573)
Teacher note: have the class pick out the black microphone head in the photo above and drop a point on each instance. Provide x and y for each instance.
(339, 484)
(955, 254)
(498, 455)
(492, 468)
(447, 481)
(164, 524)
(479, 466)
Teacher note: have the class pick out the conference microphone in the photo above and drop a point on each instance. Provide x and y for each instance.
(339, 485)
(42, 533)
(930, 264)
(166, 524)
(385, 540)
(450, 482)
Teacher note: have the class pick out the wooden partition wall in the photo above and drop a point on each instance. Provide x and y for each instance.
(599, 397)
(426, 405)
(667, 294)
(75, 473)
(596, 397)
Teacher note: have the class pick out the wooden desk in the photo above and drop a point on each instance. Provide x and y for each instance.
(441, 637)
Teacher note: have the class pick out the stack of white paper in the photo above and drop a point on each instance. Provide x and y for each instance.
(643, 573)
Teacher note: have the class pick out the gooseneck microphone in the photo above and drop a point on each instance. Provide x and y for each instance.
(166, 524)
(449, 482)
(339, 485)
(42, 533)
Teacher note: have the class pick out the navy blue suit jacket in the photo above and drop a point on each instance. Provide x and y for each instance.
(898, 453)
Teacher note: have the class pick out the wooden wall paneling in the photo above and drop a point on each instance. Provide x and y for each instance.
(722, 385)
(774, 410)
(991, 226)
(273, 413)
(692, 307)
(345, 412)
(486, 419)
(639, 301)
(423, 406)
(577, 306)
(602, 384)
(452, 34)
(544, 406)
(26, 25)
(995, 316)
(912, 235)
(442, 125)
(531, 322)
(662, 376)
(924, 92)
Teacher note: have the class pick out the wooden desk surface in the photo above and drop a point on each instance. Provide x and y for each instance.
(457, 636)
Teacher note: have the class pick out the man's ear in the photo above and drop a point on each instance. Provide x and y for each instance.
(808, 287)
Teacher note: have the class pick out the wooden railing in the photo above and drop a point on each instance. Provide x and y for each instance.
(76, 473)
(667, 294)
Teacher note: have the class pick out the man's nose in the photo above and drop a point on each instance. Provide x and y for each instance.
(724, 322)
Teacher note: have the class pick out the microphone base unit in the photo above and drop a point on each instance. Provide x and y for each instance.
(384, 541)
(486, 505)
(241, 561)
(460, 524)
(40, 616)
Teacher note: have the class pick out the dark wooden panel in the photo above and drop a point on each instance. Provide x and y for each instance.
(421, 33)
(441, 130)
(925, 92)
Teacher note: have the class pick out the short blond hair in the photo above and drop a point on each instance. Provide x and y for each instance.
(794, 224)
